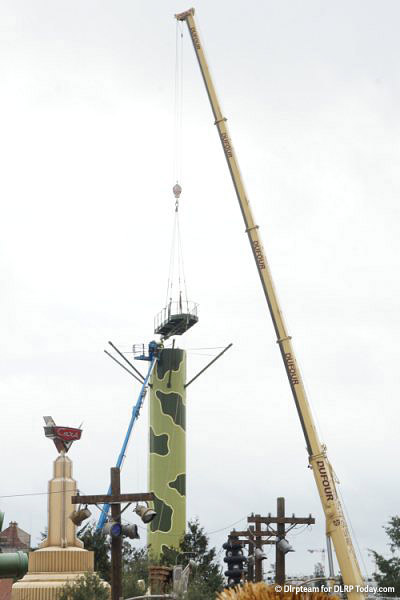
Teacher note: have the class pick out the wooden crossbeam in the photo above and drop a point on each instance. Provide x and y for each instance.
(113, 499)
(255, 533)
(291, 520)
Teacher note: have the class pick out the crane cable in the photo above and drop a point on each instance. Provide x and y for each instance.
(176, 274)
(178, 102)
(176, 265)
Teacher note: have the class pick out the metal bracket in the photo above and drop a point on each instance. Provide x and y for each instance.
(251, 228)
(285, 339)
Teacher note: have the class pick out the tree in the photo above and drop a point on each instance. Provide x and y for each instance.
(388, 574)
(96, 540)
(207, 577)
(319, 575)
(135, 570)
(87, 587)
(134, 562)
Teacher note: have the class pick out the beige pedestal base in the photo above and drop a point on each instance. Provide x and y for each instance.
(49, 570)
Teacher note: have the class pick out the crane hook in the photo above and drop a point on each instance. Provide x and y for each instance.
(177, 190)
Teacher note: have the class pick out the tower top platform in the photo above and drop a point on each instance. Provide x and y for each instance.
(175, 319)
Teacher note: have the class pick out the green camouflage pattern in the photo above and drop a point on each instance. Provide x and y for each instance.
(167, 462)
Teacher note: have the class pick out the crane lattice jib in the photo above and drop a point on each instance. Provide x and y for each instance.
(336, 524)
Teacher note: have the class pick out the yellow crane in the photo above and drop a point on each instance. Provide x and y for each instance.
(336, 526)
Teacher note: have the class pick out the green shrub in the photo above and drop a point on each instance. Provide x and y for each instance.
(87, 587)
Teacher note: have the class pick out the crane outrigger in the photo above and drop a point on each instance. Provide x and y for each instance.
(336, 526)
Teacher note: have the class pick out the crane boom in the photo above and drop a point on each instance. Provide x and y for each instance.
(336, 526)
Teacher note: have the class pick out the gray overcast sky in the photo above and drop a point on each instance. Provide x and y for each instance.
(311, 91)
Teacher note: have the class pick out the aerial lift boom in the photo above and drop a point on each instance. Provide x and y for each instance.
(135, 414)
(336, 526)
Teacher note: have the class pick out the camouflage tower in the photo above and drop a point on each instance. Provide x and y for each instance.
(167, 422)
(167, 461)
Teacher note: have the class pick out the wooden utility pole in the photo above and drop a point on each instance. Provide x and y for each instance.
(279, 533)
(258, 570)
(280, 556)
(116, 542)
(255, 538)
(115, 500)
(250, 554)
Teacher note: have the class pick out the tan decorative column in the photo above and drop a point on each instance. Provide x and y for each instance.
(60, 557)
